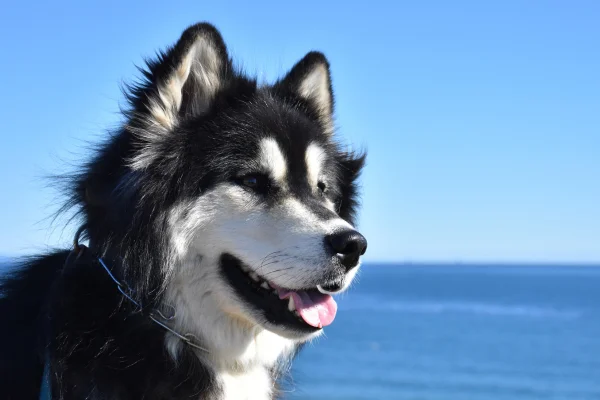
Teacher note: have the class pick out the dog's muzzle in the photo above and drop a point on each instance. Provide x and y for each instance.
(348, 245)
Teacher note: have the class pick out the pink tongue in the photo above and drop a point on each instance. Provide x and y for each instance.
(316, 309)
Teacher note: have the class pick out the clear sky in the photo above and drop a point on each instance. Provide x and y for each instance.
(482, 119)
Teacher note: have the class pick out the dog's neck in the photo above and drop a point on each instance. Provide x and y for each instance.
(245, 357)
(251, 375)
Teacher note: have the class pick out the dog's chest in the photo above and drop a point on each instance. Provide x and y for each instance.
(252, 385)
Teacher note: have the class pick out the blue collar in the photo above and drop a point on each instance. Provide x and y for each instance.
(155, 315)
(45, 393)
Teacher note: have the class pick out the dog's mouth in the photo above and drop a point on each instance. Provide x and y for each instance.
(306, 310)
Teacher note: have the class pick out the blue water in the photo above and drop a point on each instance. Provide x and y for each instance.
(459, 333)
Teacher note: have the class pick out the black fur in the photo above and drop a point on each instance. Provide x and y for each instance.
(98, 346)
(24, 294)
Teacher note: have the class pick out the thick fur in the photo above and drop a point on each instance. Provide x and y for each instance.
(165, 200)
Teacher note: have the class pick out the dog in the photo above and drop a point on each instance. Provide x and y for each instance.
(219, 222)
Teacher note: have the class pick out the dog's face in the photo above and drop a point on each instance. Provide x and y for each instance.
(261, 196)
(270, 222)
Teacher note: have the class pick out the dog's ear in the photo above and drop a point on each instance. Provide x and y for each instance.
(310, 80)
(185, 78)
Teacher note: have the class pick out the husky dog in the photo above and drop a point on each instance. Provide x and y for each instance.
(220, 222)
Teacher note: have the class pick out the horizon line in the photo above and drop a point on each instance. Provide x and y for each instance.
(516, 263)
(447, 262)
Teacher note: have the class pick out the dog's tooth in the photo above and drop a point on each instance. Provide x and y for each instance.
(291, 305)
(265, 285)
(254, 276)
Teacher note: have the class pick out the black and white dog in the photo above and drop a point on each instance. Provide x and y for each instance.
(219, 220)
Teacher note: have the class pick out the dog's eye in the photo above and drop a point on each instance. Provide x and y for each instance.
(321, 185)
(257, 182)
(250, 181)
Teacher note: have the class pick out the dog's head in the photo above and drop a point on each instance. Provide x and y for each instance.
(256, 196)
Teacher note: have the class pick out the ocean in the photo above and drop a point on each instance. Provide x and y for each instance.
(459, 333)
(434, 332)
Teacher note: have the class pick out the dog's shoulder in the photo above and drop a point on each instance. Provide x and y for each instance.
(23, 293)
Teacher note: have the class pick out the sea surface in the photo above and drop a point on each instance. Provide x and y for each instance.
(459, 333)
(449, 332)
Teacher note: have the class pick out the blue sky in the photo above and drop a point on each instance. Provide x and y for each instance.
(482, 119)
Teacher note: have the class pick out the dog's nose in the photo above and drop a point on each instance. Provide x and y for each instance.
(349, 246)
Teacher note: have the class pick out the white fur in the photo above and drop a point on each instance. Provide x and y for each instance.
(314, 158)
(204, 308)
(200, 67)
(202, 62)
(315, 87)
(252, 385)
(202, 299)
(271, 159)
(283, 243)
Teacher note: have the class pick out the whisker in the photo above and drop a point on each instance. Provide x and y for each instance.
(277, 270)
(272, 254)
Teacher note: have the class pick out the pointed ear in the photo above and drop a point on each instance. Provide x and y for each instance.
(185, 79)
(310, 80)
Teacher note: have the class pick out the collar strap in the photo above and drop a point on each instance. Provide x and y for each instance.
(154, 314)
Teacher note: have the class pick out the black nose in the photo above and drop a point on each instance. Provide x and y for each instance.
(349, 246)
